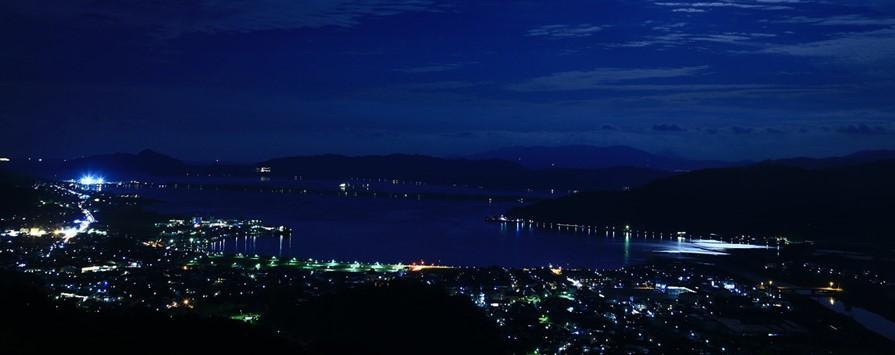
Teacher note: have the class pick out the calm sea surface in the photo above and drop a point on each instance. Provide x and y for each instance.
(385, 228)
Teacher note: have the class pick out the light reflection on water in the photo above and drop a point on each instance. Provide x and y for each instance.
(406, 230)
(708, 247)
(872, 321)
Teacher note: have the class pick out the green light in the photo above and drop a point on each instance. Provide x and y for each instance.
(246, 317)
(532, 299)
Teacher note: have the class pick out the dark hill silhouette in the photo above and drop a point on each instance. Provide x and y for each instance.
(400, 318)
(17, 196)
(119, 166)
(497, 174)
(15, 192)
(620, 167)
(593, 157)
(31, 316)
(847, 203)
(867, 156)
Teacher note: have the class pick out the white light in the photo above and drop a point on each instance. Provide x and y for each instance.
(91, 180)
(69, 233)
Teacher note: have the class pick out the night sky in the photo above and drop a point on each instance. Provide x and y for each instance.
(253, 79)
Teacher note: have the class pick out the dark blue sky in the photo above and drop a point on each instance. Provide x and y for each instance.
(252, 79)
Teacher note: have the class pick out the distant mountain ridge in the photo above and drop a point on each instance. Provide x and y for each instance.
(485, 173)
(491, 173)
(119, 165)
(595, 157)
(862, 157)
(488, 173)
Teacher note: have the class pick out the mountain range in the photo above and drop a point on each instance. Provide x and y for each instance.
(564, 168)
(593, 157)
(862, 157)
(497, 174)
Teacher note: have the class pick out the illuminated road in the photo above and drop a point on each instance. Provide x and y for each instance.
(81, 225)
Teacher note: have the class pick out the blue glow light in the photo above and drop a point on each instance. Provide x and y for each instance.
(91, 180)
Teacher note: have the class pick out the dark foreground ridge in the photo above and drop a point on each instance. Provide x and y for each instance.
(397, 318)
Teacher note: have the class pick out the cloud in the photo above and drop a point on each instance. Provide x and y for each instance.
(842, 20)
(665, 127)
(434, 68)
(676, 38)
(686, 87)
(173, 18)
(863, 130)
(857, 47)
(669, 27)
(443, 85)
(740, 130)
(703, 6)
(597, 78)
(461, 135)
(564, 31)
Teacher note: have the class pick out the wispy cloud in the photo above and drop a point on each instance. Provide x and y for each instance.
(172, 18)
(842, 20)
(667, 127)
(432, 68)
(863, 129)
(442, 85)
(858, 47)
(688, 9)
(702, 6)
(741, 130)
(593, 79)
(676, 38)
(565, 31)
